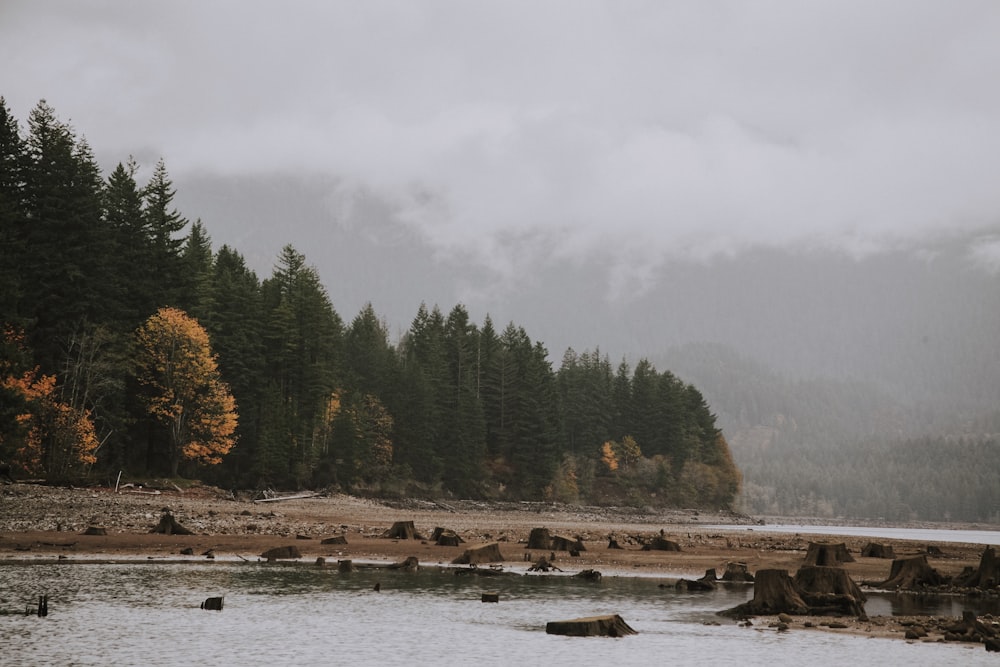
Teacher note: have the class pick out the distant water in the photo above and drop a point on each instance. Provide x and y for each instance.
(147, 614)
(991, 537)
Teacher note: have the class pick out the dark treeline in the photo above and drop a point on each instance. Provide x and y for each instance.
(451, 407)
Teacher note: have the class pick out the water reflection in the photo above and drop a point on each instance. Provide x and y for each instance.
(148, 614)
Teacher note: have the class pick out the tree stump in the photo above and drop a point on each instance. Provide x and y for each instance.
(212, 604)
(402, 530)
(987, 575)
(588, 575)
(486, 553)
(279, 553)
(411, 564)
(774, 592)
(95, 530)
(539, 538)
(694, 585)
(910, 573)
(563, 543)
(168, 526)
(874, 550)
(737, 572)
(613, 543)
(593, 626)
(345, 566)
(336, 539)
(444, 537)
(660, 543)
(828, 555)
(829, 591)
(490, 597)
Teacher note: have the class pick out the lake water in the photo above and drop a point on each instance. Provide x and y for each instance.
(986, 537)
(147, 614)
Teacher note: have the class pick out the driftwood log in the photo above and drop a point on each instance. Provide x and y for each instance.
(336, 539)
(486, 553)
(611, 625)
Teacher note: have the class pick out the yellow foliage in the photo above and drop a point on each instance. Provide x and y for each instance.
(608, 456)
(184, 390)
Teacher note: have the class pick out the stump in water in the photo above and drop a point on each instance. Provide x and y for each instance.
(874, 550)
(402, 530)
(168, 526)
(563, 543)
(212, 604)
(487, 553)
(336, 539)
(278, 553)
(910, 573)
(411, 564)
(987, 575)
(830, 591)
(660, 543)
(774, 592)
(444, 537)
(345, 566)
(694, 585)
(539, 538)
(737, 572)
(588, 575)
(828, 555)
(594, 626)
(490, 597)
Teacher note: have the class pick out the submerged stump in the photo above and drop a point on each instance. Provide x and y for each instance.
(611, 625)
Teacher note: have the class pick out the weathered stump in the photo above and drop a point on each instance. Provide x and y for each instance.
(95, 530)
(613, 543)
(828, 555)
(694, 585)
(910, 573)
(212, 604)
(774, 592)
(987, 575)
(588, 575)
(280, 553)
(168, 526)
(830, 591)
(490, 597)
(444, 537)
(410, 564)
(486, 553)
(345, 566)
(402, 530)
(875, 550)
(563, 543)
(539, 538)
(660, 543)
(611, 625)
(737, 572)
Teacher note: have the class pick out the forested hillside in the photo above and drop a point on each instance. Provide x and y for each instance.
(130, 343)
(825, 448)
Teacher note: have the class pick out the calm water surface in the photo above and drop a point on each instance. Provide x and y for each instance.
(147, 614)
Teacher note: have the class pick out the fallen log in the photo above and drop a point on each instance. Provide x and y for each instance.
(611, 625)
(336, 539)
(297, 496)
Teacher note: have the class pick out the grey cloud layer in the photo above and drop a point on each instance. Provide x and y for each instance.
(512, 131)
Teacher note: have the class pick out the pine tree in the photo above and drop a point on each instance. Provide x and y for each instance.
(13, 216)
(164, 224)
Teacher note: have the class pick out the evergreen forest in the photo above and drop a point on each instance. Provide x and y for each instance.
(130, 344)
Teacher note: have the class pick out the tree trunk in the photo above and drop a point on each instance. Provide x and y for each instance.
(774, 592)
(829, 591)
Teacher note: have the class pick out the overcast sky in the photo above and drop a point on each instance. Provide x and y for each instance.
(508, 132)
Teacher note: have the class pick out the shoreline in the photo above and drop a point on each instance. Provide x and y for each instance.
(42, 525)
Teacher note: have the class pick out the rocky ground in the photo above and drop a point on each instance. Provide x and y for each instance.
(41, 522)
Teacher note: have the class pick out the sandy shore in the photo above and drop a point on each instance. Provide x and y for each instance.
(44, 523)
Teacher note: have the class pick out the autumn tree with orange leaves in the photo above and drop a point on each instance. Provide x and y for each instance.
(184, 391)
(45, 436)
